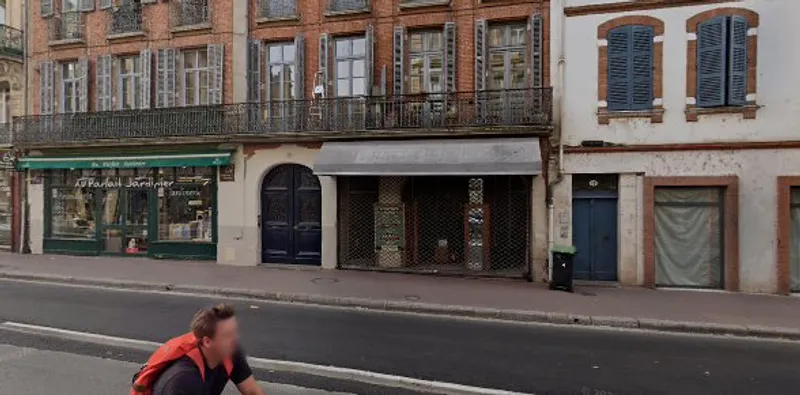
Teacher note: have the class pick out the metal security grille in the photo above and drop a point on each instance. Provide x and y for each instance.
(436, 224)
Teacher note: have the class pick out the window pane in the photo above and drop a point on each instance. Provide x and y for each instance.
(203, 96)
(518, 34)
(185, 210)
(72, 213)
(343, 88)
(415, 84)
(342, 48)
(190, 60)
(359, 46)
(497, 71)
(288, 89)
(343, 69)
(417, 63)
(496, 36)
(415, 42)
(359, 87)
(435, 63)
(434, 42)
(436, 82)
(358, 68)
(190, 87)
(275, 54)
(202, 59)
(517, 70)
(288, 53)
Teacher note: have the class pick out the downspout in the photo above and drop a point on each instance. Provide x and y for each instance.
(25, 246)
(557, 20)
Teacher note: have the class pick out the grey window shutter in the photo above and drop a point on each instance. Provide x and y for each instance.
(737, 64)
(299, 64)
(254, 71)
(46, 77)
(641, 66)
(537, 50)
(145, 59)
(450, 56)
(46, 7)
(619, 94)
(59, 80)
(105, 4)
(117, 78)
(480, 55)
(398, 58)
(370, 58)
(103, 83)
(83, 85)
(216, 62)
(324, 56)
(711, 62)
(165, 78)
(86, 5)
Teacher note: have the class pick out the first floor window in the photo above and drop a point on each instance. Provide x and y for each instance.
(195, 77)
(426, 60)
(507, 56)
(130, 76)
(185, 208)
(630, 68)
(5, 110)
(351, 66)
(282, 74)
(70, 87)
(722, 62)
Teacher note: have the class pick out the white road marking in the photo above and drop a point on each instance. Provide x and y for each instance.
(333, 372)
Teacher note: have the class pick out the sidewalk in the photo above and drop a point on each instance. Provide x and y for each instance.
(681, 311)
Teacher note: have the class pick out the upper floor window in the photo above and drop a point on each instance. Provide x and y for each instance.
(426, 62)
(278, 8)
(195, 77)
(350, 68)
(281, 72)
(507, 56)
(70, 87)
(348, 5)
(3, 12)
(722, 61)
(69, 6)
(5, 99)
(130, 82)
(630, 68)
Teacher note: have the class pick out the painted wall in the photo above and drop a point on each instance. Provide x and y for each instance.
(776, 87)
(36, 216)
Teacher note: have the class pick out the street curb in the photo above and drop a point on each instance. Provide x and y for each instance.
(528, 316)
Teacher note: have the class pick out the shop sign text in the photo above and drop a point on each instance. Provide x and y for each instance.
(117, 182)
(389, 227)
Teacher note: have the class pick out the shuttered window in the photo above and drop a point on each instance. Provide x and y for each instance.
(281, 71)
(630, 68)
(47, 93)
(165, 77)
(506, 56)
(254, 59)
(70, 87)
(278, 8)
(426, 62)
(129, 91)
(350, 66)
(195, 77)
(722, 62)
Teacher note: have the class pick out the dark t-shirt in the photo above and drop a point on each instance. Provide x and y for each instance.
(183, 377)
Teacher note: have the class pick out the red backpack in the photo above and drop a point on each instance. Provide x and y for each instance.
(171, 351)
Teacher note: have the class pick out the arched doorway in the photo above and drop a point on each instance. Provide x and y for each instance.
(291, 212)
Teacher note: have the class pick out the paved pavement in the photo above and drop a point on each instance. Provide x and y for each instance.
(685, 310)
(511, 356)
(40, 372)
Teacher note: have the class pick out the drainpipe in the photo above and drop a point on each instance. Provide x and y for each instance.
(557, 19)
(25, 246)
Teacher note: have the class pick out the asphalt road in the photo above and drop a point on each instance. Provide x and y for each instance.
(527, 358)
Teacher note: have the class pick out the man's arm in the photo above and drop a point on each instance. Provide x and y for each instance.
(242, 376)
(250, 387)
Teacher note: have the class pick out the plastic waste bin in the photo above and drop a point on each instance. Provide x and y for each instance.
(563, 258)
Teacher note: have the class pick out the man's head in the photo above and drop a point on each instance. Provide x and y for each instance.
(216, 330)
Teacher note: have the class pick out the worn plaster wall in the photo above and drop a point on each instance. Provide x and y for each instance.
(36, 203)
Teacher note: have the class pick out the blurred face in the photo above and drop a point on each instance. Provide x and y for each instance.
(226, 339)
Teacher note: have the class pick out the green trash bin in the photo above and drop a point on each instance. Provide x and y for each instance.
(563, 262)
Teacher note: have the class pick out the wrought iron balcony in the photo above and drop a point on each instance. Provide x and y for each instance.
(524, 110)
(125, 19)
(185, 13)
(67, 26)
(10, 41)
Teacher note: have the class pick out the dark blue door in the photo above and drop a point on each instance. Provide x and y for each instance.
(594, 232)
(291, 211)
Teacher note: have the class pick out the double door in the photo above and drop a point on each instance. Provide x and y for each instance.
(594, 225)
(125, 220)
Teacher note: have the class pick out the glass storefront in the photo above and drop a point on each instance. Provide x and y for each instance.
(133, 211)
(6, 209)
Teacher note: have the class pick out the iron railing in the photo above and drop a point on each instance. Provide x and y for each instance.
(190, 12)
(68, 26)
(125, 19)
(277, 8)
(420, 113)
(10, 41)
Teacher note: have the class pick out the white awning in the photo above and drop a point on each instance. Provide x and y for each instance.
(509, 156)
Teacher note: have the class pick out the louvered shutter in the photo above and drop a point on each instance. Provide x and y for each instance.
(737, 64)
(641, 65)
(370, 59)
(103, 83)
(619, 94)
(536, 26)
(450, 56)
(105, 4)
(324, 56)
(145, 60)
(86, 5)
(46, 7)
(254, 71)
(118, 99)
(47, 93)
(299, 62)
(165, 78)
(59, 82)
(480, 55)
(216, 62)
(398, 58)
(711, 62)
(83, 85)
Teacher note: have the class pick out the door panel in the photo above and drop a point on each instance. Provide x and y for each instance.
(594, 224)
(582, 238)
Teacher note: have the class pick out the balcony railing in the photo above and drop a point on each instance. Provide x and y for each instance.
(67, 26)
(190, 13)
(10, 41)
(441, 113)
(125, 19)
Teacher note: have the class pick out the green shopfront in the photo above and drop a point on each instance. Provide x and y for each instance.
(162, 206)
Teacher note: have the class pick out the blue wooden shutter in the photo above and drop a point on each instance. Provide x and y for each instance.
(711, 62)
(450, 56)
(216, 62)
(146, 62)
(537, 50)
(324, 56)
(620, 73)
(641, 67)
(254, 71)
(299, 64)
(737, 63)
(46, 77)
(103, 83)
(480, 55)
(398, 58)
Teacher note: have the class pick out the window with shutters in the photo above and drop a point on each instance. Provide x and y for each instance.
(195, 77)
(278, 9)
(350, 66)
(281, 72)
(722, 62)
(130, 82)
(425, 62)
(348, 5)
(506, 56)
(5, 108)
(70, 87)
(69, 6)
(630, 68)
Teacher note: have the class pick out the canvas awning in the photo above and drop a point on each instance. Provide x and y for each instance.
(504, 156)
(199, 159)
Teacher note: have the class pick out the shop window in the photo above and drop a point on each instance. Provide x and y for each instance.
(72, 210)
(185, 207)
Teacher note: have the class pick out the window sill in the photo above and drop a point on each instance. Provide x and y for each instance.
(273, 19)
(125, 36)
(334, 13)
(410, 5)
(748, 111)
(66, 42)
(605, 116)
(188, 29)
